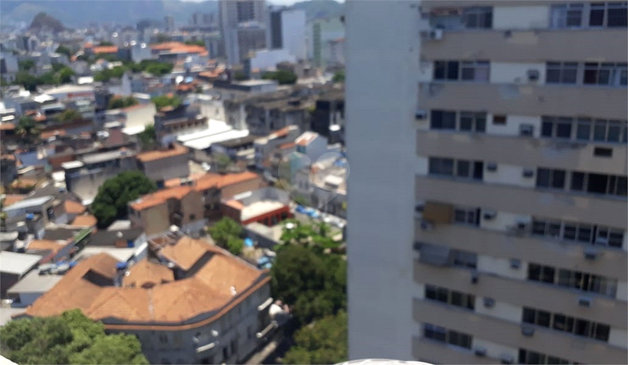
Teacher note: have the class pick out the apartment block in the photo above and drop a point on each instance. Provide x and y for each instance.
(498, 133)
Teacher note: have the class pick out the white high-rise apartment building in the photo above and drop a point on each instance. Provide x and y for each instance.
(487, 196)
(287, 31)
(243, 25)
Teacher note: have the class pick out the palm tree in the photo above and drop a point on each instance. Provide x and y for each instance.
(27, 130)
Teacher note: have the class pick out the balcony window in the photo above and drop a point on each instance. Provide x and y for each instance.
(446, 70)
(567, 15)
(556, 127)
(443, 120)
(451, 297)
(441, 166)
(544, 274)
(610, 14)
(444, 335)
(574, 231)
(611, 74)
(550, 178)
(560, 322)
(561, 72)
(478, 18)
(473, 122)
(469, 216)
(532, 357)
(475, 71)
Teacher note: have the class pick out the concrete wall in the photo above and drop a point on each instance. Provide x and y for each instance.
(379, 122)
(167, 168)
(521, 17)
(293, 32)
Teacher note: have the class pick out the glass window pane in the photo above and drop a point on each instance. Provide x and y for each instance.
(449, 120)
(564, 278)
(480, 123)
(468, 73)
(534, 272)
(543, 318)
(528, 315)
(569, 232)
(553, 229)
(569, 75)
(546, 129)
(538, 227)
(585, 233)
(599, 130)
(614, 131)
(547, 274)
(543, 178)
(452, 70)
(596, 16)
(563, 130)
(552, 76)
(622, 186)
(582, 328)
(436, 119)
(464, 168)
(577, 181)
(583, 132)
(590, 74)
(558, 179)
(601, 332)
(439, 70)
(466, 120)
(617, 17)
(447, 165)
(456, 298)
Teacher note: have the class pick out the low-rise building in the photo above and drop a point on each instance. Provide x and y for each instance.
(13, 267)
(194, 303)
(268, 206)
(265, 146)
(165, 163)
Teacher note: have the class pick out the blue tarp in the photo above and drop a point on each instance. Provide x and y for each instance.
(248, 242)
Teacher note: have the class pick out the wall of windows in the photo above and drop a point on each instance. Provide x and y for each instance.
(441, 334)
(532, 357)
(584, 129)
(458, 168)
(451, 297)
(573, 279)
(458, 121)
(582, 182)
(477, 71)
(594, 15)
(589, 73)
(578, 232)
(560, 322)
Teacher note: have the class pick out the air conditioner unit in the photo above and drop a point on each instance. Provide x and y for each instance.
(533, 75)
(527, 330)
(489, 302)
(475, 277)
(489, 214)
(420, 114)
(515, 263)
(491, 166)
(507, 359)
(602, 241)
(590, 253)
(526, 130)
(479, 351)
(528, 173)
(436, 34)
(585, 301)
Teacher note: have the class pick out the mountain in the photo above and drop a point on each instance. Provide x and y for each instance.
(45, 21)
(320, 9)
(76, 13)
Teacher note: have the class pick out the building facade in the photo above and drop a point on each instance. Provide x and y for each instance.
(494, 148)
(243, 28)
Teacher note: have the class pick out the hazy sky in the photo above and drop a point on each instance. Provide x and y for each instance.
(277, 2)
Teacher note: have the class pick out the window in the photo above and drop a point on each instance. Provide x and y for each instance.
(475, 71)
(553, 127)
(441, 166)
(444, 335)
(225, 353)
(499, 119)
(561, 72)
(611, 74)
(599, 184)
(602, 152)
(452, 297)
(441, 119)
(532, 357)
(460, 168)
(567, 15)
(478, 18)
(465, 259)
(467, 70)
(610, 14)
(469, 216)
(446, 70)
(550, 178)
(580, 232)
(564, 323)
(544, 274)
(587, 282)
(472, 122)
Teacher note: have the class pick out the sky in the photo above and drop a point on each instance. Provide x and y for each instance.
(276, 2)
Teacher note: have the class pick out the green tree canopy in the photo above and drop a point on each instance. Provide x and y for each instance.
(339, 77)
(322, 342)
(312, 282)
(166, 100)
(65, 75)
(105, 44)
(26, 65)
(240, 76)
(195, 43)
(114, 195)
(64, 50)
(227, 234)
(162, 38)
(283, 77)
(70, 338)
(158, 68)
(28, 81)
(27, 130)
(148, 138)
(118, 102)
(107, 74)
(68, 115)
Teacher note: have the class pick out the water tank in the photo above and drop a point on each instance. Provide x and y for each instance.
(121, 266)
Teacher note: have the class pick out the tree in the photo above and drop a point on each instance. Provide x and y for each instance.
(162, 38)
(158, 68)
(116, 193)
(339, 77)
(283, 77)
(199, 43)
(70, 338)
(313, 234)
(240, 76)
(27, 130)
(28, 81)
(163, 101)
(313, 283)
(322, 342)
(64, 50)
(118, 102)
(148, 138)
(226, 233)
(105, 44)
(68, 116)
(65, 75)
(26, 65)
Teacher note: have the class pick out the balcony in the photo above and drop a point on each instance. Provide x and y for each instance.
(567, 255)
(564, 345)
(525, 293)
(538, 45)
(526, 99)
(561, 205)
(523, 151)
(440, 353)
